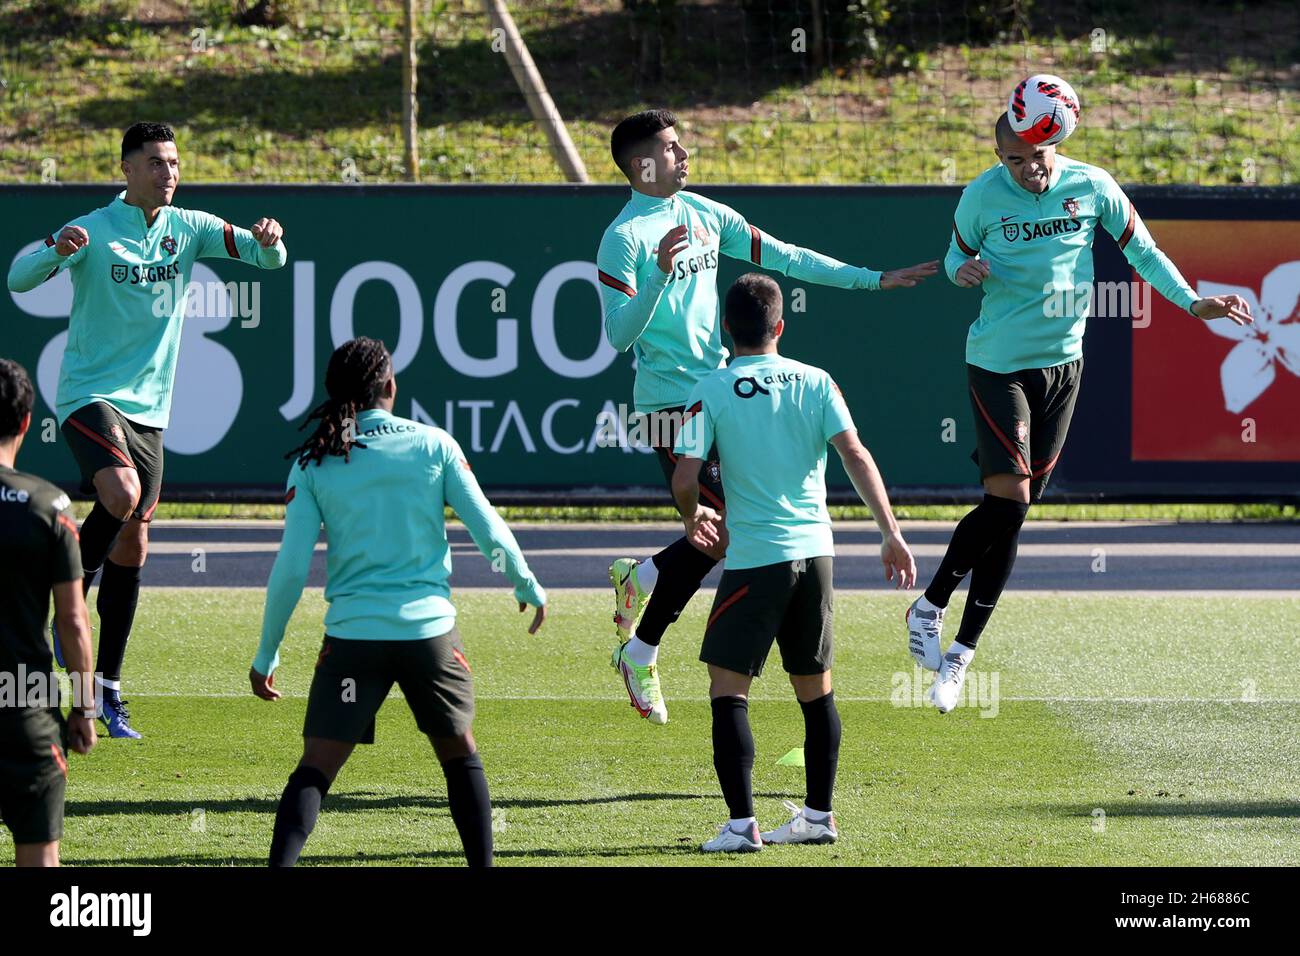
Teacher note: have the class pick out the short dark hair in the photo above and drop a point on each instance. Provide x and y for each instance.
(753, 308)
(635, 130)
(1004, 133)
(16, 397)
(141, 133)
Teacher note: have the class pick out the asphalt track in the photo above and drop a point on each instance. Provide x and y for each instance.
(1246, 559)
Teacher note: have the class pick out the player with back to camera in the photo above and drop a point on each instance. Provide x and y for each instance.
(658, 273)
(40, 555)
(770, 419)
(379, 485)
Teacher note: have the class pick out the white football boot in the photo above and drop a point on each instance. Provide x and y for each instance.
(802, 830)
(923, 629)
(729, 841)
(945, 692)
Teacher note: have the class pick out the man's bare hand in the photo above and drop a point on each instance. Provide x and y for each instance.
(263, 686)
(267, 232)
(702, 527)
(971, 273)
(70, 240)
(897, 559)
(673, 242)
(906, 278)
(538, 617)
(81, 733)
(1220, 306)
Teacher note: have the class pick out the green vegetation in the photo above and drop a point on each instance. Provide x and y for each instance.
(1201, 100)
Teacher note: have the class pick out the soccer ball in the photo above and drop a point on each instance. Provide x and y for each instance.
(1043, 110)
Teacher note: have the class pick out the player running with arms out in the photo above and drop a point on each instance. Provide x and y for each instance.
(40, 554)
(380, 484)
(119, 366)
(658, 271)
(1024, 230)
(770, 419)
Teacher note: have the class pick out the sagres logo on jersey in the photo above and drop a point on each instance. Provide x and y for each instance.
(1027, 231)
(118, 272)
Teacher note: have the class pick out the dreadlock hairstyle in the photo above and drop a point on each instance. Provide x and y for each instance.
(355, 379)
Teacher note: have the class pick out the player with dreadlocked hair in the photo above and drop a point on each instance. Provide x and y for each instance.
(354, 380)
(380, 485)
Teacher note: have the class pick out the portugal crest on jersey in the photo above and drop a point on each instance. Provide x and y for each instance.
(1021, 431)
(1071, 206)
(169, 245)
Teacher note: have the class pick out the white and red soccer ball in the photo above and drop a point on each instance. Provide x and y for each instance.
(1043, 110)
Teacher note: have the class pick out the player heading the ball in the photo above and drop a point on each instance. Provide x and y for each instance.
(1024, 231)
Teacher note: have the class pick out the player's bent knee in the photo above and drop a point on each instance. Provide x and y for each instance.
(454, 747)
(726, 683)
(810, 687)
(327, 756)
(36, 854)
(132, 545)
(118, 490)
(1015, 487)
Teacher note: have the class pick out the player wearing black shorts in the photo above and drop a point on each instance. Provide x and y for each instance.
(379, 485)
(770, 419)
(40, 555)
(130, 263)
(1023, 231)
(658, 272)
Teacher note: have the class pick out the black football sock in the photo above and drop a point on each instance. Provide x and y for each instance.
(973, 535)
(98, 532)
(682, 568)
(471, 807)
(296, 815)
(987, 581)
(733, 754)
(821, 750)
(119, 592)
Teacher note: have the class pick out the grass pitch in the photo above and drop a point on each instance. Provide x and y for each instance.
(1098, 730)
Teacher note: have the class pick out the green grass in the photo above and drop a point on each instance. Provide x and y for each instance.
(319, 100)
(225, 510)
(1198, 777)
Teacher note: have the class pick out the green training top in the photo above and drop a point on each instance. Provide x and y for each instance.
(1038, 248)
(388, 562)
(125, 330)
(671, 322)
(770, 418)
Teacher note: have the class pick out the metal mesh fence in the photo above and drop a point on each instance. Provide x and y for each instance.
(780, 91)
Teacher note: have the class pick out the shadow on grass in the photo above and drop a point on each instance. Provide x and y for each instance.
(412, 857)
(1173, 807)
(355, 801)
